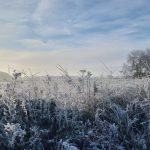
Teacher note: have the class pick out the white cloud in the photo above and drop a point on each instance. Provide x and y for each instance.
(72, 33)
(112, 52)
(43, 7)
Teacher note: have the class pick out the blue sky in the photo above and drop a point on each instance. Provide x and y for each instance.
(77, 34)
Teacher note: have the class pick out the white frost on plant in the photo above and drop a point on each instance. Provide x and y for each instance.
(68, 146)
(13, 131)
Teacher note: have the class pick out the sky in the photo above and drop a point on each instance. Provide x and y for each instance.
(96, 35)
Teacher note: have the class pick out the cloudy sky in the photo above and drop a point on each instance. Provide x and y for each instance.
(77, 34)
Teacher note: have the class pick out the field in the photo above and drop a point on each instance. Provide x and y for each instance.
(75, 113)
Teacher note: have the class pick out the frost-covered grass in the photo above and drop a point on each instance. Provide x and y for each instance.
(81, 113)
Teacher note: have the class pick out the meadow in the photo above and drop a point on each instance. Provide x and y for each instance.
(75, 113)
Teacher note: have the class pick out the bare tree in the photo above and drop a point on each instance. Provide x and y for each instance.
(138, 64)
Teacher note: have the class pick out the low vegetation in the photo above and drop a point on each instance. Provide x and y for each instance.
(81, 113)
